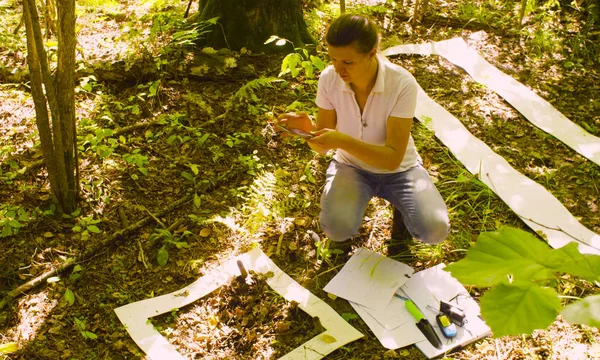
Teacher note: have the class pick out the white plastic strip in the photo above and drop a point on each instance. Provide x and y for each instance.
(530, 201)
(528, 103)
(135, 316)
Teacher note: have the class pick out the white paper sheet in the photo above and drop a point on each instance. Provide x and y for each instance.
(369, 279)
(401, 336)
(426, 289)
(394, 315)
(537, 110)
(134, 316)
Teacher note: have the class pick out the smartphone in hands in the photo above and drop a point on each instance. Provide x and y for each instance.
(296, 132)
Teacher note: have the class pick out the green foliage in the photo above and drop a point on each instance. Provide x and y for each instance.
(298, 61)
(246, 95)
(270, 199)
(87, 84)
(12, 218)
(521, 270)
(138, 160)
(105, 6)
(81, 326)
(169, 240)
(75, 273)
(350, 316)
(85, 226)
(183, 40)
(519, 307)
(8, 348)
(251, 162)
(15, 217)
(585, 311)
(69, 297)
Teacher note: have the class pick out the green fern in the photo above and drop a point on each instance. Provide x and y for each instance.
(246, 93)
(270, 200)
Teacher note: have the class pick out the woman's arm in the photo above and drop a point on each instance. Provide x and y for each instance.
(326, 119)
(387, 157)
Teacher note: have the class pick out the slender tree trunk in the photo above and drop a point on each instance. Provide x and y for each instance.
(56, 137)
(65, 88)
(522, 12)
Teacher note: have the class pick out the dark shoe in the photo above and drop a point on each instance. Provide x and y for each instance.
(401, 239)
(341, 247)
(399, 230)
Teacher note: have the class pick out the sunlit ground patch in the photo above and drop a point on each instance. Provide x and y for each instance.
(240, 320)
(136, 316)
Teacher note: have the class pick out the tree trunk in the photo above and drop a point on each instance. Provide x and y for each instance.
(249, 23)
(58, 136)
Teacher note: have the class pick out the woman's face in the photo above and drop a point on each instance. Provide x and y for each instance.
(351, 65)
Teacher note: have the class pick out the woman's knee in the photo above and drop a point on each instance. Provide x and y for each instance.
(436, 231)
(338, 226)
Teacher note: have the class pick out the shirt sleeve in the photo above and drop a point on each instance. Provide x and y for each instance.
(323, 100)
(406, 100)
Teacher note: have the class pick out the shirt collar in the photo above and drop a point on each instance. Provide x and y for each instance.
(379, 82)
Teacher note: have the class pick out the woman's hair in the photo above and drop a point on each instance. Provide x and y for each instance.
(357, 30)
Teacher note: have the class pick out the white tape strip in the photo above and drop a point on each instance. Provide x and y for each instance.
(537, 110)
(135, 316)
(532, 202)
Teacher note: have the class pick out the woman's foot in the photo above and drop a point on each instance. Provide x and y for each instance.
(401, 239)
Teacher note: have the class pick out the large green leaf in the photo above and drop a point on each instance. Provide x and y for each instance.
(519, 308)
(9, 348)
(501, 254)
(568, 259)
(585, 311)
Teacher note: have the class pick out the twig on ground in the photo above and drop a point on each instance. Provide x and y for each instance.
(156, 219)
(91, 251)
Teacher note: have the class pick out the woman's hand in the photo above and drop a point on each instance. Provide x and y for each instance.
(296, 121)
(327, 139)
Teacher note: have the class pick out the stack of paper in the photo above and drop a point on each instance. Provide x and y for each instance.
(369, 280)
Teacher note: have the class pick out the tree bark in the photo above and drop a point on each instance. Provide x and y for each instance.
(65, 88)
(249, 23)
(56, 137)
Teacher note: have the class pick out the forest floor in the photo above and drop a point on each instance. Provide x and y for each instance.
(205, 141)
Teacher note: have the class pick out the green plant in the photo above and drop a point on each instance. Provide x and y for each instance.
(246, 95)
(236, 139)
(298, 61)
(14, 217)
(96, 142)
(251, 162)
(139, 160)
(168, 239)
(69, 296)
(86, 225)
(81, 326)
(522, 272)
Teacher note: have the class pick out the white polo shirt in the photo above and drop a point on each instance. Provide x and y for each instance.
(394, 94)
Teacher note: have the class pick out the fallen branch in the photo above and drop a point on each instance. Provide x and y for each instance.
(131, 128)
(455, 23)
(119, 235)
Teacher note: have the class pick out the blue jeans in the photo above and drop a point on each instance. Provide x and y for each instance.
(348, 190)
